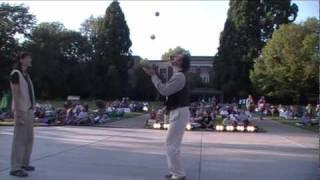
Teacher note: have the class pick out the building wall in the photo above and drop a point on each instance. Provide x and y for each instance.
(201, 65)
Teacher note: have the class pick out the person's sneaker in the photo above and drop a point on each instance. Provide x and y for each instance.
(168, 176)
(19, 173)
(28, 168)
(173, 177)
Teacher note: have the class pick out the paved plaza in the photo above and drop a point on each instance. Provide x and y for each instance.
(126, 151)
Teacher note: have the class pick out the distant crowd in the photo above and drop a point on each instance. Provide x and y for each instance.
(204, 112)
(77, 113)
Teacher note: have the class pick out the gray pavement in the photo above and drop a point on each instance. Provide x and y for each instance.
(123, 152)
(135, 123)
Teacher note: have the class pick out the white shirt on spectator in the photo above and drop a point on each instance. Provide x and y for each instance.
(82, 114)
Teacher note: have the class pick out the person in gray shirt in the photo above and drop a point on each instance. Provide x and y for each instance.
(177, 103)
(23, 105)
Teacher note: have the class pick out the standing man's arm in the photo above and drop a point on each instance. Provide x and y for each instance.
(14, 82)
(175, 84)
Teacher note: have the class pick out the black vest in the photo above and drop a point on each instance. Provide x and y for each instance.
(180, 98)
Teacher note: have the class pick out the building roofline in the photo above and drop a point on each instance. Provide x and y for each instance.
(201, 58)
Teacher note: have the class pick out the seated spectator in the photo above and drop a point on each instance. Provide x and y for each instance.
(244, 118)
(206, 121)
(50, 115)
(101, 107)
(139, 107)
(218, 108)
(234, 116)
(153, 114)
(318, 111)
(132, 106)
(295, 111)
(145, 107)
(232, 108)
(224, 112)
(109, 109)
(45, 113)
(197, 119)
(250, 110)
(198, 116)
(166, 116)
(77, 108)
(39, 112)
(229, 120)
(124, 103)
(160, 116)
(252, 107)
(61, 116)
(193, 109)
(213, 114)
(83, 117)
(100, 119)
(5, 115)
(282, 111)
(62, 113)
(307, 118)
(289, 113)
(309, 110)
(116, 104)
(273, 110)
(119, 113)
(70, 115)
(102, 113)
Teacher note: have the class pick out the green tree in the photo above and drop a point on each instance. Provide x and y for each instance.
(273, 13)
(174, 51)
(44, 45)
(143, 86)
(288, 65)
(250, 23)
(112, 48)
(60, 58)
(239, 44)
(14, 19)
(90, 28)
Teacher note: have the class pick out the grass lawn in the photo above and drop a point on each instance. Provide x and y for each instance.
(155, 104)
(218, 120)
(58, 103)
(9, 122)
(126, 116)
(132, 114)
(292, 122)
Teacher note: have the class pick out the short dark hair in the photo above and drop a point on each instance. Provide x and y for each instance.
(24, 54)
(21, 55)
(185, 62)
